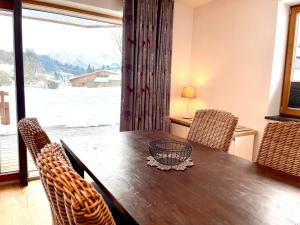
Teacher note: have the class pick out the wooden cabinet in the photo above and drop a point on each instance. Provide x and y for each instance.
(241, 145)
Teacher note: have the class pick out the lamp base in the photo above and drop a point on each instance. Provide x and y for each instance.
(187, 117)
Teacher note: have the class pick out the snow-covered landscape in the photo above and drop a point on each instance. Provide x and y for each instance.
(87, 105)
(49, 65)
(67, 106)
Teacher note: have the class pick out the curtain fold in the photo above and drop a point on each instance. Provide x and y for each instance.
(146, 65)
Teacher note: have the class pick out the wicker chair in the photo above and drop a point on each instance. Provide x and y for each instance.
(33, 135)
(213, 128)
(280, 147)
(34, 121)
(35, 138)
(73, 200)
(50, 152)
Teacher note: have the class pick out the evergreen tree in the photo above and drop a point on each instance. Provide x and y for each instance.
(57, 76)
(4, 78)
(89, 69)
(32, 67)
(105, 67)
(30, 54)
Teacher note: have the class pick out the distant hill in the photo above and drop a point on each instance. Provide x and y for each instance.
(51, 66)
(6, 57)
(96, 59)
(114, 66)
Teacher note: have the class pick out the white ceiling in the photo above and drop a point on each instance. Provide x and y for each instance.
(194, 3)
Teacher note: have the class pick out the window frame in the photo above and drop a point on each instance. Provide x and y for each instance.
(6, 4)
(71, 11)
(290, 50)
(16, 7)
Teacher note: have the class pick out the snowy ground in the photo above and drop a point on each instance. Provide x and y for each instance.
(67, 106)
(8, 144)
(63, 112)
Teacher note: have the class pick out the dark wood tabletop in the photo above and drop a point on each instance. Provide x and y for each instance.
(220, 189)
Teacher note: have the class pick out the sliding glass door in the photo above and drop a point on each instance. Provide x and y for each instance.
(8, 122)
(72, 74)
(71, 80)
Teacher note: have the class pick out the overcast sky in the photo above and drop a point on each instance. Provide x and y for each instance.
(47, 37)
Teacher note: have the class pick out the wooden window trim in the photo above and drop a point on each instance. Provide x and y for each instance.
(285, 110)
(71, 11)
(6, 177)
(6, 4)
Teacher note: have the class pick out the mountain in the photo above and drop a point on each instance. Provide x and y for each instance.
(65, 63)
(83, 60)
(53, 66)
(115, 66)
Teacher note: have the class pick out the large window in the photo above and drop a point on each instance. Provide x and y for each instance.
(291, 90)
(71, 76)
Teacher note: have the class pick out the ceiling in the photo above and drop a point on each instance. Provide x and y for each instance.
(194, 3)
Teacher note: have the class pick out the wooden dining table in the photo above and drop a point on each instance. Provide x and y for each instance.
(220, 189)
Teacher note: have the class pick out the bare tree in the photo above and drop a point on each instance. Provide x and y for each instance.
(4, 78)
(116, 34)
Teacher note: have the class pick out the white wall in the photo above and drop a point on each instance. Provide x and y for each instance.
(278, 59)
(181, 55)
(232, 57)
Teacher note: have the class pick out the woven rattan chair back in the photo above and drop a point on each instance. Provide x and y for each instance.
(46, 159)
(213, 128)
(73, 199)
(280, 147)
(34, 121)
(35, 138)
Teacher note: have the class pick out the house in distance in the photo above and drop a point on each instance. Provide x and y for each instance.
(99, 78)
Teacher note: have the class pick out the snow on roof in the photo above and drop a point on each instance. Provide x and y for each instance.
(95, 73)
(114, 77)
(101, 80)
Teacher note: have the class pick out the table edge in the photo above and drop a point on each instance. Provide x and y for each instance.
(95, 179)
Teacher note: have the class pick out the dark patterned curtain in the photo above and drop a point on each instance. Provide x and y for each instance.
(146, 68)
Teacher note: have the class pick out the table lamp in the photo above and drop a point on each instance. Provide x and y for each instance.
(189, 93)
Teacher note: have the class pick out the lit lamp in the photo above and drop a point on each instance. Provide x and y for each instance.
(189, 93)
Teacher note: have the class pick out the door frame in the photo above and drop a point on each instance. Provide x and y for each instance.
(15, 6)
(20, 92)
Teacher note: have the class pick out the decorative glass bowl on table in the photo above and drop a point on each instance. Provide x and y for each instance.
(169, 152)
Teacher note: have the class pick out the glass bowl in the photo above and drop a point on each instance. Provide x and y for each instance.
(169, 152)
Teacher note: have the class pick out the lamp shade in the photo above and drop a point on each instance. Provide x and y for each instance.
(188, 92)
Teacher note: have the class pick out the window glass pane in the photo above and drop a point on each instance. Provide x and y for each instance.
(294, 97)
(8, 127)
(72, 74)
